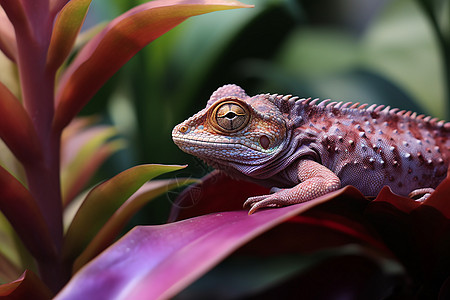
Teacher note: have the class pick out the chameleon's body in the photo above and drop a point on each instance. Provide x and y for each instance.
(309, 148)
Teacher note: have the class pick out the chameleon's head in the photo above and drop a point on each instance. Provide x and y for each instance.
(233, 129)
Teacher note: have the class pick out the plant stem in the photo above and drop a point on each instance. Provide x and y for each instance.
(43, 176)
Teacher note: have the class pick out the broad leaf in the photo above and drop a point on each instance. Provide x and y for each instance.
(16, 128)
(103, 201)
(418, 235)
(66, 28)
(117, 43)
(156, 262)
(118, 220)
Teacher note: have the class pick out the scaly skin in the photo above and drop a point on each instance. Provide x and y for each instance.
(305, 149)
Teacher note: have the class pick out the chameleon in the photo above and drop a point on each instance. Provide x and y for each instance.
(304, 148)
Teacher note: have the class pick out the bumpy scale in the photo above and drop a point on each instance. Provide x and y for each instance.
(304, 149)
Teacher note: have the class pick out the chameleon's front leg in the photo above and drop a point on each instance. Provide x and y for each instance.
(315, 180)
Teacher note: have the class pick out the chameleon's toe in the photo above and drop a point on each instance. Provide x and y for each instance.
(255, 203)
(250, 202)
(424, 193)
(268, 202)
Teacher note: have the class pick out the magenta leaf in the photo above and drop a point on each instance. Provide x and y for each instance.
(126, 35)
(159, 261)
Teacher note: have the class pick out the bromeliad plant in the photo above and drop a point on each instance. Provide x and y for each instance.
(55, 159)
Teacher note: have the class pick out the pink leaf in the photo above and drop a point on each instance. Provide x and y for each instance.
(156, 262)
(117, 43)
(7, 37)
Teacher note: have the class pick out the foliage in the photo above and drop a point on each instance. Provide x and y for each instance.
(337, 246)
(50, 156)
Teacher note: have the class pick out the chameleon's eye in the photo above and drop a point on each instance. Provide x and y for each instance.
(230, 116)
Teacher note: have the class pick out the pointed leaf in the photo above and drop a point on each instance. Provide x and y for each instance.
(89, 167)
(7, 37)
(66, 28)
(21, 210)
(11, 248)
(8, 270)
(16, 13)
(103, 201)
(126, 34)
(86, 151)
(156, 262)
(16, 129)
(115, 224)
(57, 5)
(28, 286)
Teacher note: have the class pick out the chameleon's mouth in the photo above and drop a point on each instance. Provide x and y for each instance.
(185, 143)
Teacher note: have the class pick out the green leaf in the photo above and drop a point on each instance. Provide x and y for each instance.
(117, 43)
(8, 270)
(399, 37)
(118, 220)
(66, 28)
(92, 149)
(103, 201)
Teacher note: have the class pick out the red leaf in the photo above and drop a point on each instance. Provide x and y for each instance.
(403, 204)
(439, 199)
(16, 129)
(217, 192)
(418, 234)
(28, 286)
(21, 210)
(117, 43)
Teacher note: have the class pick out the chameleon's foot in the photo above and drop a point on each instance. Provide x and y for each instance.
(257, 202)
(424, 193)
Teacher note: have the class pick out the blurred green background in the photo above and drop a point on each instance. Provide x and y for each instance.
(383, 52)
